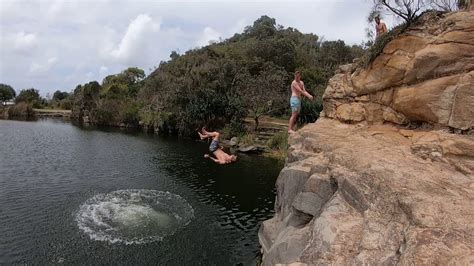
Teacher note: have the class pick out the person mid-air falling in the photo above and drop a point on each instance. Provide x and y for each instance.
(221, 156)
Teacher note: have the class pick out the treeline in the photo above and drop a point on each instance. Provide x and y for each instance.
(217, 85)
(31, 96)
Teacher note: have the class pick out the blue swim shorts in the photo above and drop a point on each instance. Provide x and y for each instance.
(295, 104)
(214, 146)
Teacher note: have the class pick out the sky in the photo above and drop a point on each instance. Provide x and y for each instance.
(54, 45)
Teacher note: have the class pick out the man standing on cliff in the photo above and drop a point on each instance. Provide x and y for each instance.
(297, 89)
(380, 27)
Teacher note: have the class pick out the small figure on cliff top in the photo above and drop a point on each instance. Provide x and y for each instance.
(380, 27)
(221, 156)
(297, 89)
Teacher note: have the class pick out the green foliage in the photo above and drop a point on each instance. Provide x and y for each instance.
(247, 139)
(59, 95)
(6, 92)
(279, 143)
(28, 95)
(310, 111)
(265, 92)
(234, 129)
(21, 110)
(130, 113)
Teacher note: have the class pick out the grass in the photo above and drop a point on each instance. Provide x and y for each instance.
(278, 143)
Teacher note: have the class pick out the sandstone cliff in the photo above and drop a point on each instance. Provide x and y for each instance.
(387, 175)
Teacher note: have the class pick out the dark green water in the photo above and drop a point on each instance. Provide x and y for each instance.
(80, 196)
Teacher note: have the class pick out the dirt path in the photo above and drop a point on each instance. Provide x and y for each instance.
(52, 112)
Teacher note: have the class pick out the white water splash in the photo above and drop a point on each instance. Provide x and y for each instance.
(133, 216)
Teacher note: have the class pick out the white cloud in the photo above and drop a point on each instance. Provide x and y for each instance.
(239, 26)
(36, 68)
(208, 35)
(103, 69)
(24, 41)
(136, 40)
(85, 35)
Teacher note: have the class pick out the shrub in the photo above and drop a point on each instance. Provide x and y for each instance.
(234, 129)
(247, 139)
(310, 111)
(21, 110)
(130, 114)
(279, 142)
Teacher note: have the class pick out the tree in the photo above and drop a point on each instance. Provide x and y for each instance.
(265, 92)
(28, 95)
(262, 28)
(446, 5)
(406, 9)
(6, 93)
(134, 74)
(58, 95)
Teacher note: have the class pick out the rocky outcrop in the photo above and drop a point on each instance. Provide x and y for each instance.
(355, 194)
(361, 188)
(426, 74)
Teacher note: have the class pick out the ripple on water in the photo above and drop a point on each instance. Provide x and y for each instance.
(133, 216)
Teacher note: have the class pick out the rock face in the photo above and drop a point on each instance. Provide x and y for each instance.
(426, 74)
(360, 188)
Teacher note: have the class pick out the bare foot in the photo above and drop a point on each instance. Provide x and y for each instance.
(291, 131)
(201, 135)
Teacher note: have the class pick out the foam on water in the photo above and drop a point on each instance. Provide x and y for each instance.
(133, 216)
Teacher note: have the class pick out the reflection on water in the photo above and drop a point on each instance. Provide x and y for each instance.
(53, 173)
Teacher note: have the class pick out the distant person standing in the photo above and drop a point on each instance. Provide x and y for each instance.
(297, 89)
(380, 27)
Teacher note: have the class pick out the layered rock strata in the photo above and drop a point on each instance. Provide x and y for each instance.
(364, 186)
(426, 74)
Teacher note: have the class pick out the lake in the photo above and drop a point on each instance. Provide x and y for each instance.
(78, 195)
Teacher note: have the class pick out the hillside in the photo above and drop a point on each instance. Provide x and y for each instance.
(247, 75)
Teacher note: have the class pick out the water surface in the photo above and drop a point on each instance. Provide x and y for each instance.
(53, 174)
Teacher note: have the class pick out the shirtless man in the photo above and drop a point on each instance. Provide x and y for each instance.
(221, 156)
(297, 89)
(380, 27)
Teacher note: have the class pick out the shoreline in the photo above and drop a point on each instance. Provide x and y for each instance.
(263, 151)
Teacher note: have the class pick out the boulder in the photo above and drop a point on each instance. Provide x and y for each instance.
(233, 141)
(373, 195)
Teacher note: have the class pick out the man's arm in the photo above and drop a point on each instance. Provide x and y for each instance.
(214, 159)
(302, 90)
(384, 28)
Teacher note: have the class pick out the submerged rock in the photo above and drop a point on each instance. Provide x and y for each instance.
(250, 149)
(233, 141)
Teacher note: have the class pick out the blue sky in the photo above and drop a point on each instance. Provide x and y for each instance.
(56, 44)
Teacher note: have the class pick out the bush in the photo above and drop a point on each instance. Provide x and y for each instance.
(247, 139)
(234, 129)
(310, 111)
(279, 142)
(65, 104)
(130, 114)
(21, 110)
